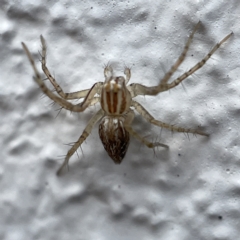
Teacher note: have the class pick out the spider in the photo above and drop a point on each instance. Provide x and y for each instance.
(116, 99)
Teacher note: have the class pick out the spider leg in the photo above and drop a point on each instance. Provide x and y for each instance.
(67, 96)
(139, 89)
(95, 118)
(199, 64)
(181, 58)
(127, 125)
(142, 111)
(62, 102)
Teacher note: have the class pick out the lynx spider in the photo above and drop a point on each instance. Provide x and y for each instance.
(116, 100)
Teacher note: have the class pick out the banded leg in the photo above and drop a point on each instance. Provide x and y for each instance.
(67, 96)
(199, 64)
(62, 102)
(142, 111)
(127, 125)
(139, 89)
(181, 58)
(82, 138)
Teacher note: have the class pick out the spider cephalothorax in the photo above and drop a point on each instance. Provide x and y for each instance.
(116, 99)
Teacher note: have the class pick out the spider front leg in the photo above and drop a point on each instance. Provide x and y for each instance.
(199, 64)
(82, 138)
(127, 125)
(67, 96)
(143, 112)
(139, 89)
(62, 102)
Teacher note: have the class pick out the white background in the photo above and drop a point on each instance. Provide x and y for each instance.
(191, 191)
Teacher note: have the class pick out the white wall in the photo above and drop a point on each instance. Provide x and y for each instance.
(191, 191)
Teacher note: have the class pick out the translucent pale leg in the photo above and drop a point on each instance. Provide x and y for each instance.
(67, 96)
(82, 138)
(199, 64)
(127, 125)
(62, 102)
(143, 112)
(139, 89)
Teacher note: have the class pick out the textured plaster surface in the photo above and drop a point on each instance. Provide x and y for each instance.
(191, 191)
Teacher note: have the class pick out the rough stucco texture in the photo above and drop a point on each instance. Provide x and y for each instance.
(191, 191)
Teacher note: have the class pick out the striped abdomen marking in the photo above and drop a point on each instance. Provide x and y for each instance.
(114, 137)
(115, 97)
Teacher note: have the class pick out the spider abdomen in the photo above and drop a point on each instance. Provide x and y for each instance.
(115, 137)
